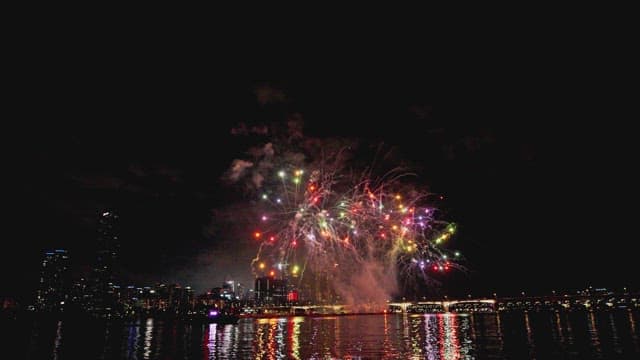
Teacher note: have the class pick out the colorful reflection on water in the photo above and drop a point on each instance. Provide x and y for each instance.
(579, 335)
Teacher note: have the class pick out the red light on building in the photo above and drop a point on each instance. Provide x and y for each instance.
(292, 296)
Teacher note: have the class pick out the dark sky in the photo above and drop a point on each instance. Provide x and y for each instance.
(534, 171)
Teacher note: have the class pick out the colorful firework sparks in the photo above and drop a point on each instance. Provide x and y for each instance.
(319, 219)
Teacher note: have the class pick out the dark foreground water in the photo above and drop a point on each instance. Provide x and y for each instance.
(577, 335)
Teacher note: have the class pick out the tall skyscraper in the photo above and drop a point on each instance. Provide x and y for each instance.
(101, 297)
(55, 281)
(316, 288)
(272, 291)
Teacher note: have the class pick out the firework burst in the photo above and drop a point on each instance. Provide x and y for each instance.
(361, 230)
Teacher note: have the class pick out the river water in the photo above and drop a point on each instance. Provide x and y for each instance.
(545, 335)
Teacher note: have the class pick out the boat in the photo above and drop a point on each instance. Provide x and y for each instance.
(221, 317)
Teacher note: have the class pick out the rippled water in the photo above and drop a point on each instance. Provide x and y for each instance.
(578, 335)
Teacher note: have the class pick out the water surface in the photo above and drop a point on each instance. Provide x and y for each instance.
(548, 335)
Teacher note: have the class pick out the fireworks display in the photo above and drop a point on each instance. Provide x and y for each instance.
(361, 230)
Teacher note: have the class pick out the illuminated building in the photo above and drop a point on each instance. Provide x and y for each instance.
(272, 291)
(54, 281)
(316, 288)
(101, 290)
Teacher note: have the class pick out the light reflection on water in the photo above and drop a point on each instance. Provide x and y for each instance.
(148, 335)
(578, 335)
(58, 341)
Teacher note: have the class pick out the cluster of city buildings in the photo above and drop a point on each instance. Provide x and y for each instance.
(99, 293)
(270, 290)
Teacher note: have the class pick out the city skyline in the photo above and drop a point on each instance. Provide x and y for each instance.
(532, 198)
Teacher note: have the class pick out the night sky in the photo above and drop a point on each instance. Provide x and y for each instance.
(533, 171)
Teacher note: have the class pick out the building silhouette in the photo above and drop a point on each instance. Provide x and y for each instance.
(101, 294)
(55, 281)
(270, 291)
(316, 288)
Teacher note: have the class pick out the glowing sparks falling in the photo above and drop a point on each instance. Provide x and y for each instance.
(317, 215)
(318, 218)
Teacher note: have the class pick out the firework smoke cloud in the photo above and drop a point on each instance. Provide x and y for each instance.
(322, 216)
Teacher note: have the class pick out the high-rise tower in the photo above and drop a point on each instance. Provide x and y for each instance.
(54, 281)
(101, 289)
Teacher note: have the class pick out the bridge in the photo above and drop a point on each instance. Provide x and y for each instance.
(477, 305)
(318, 309)
(606, 301)
(593, 301)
